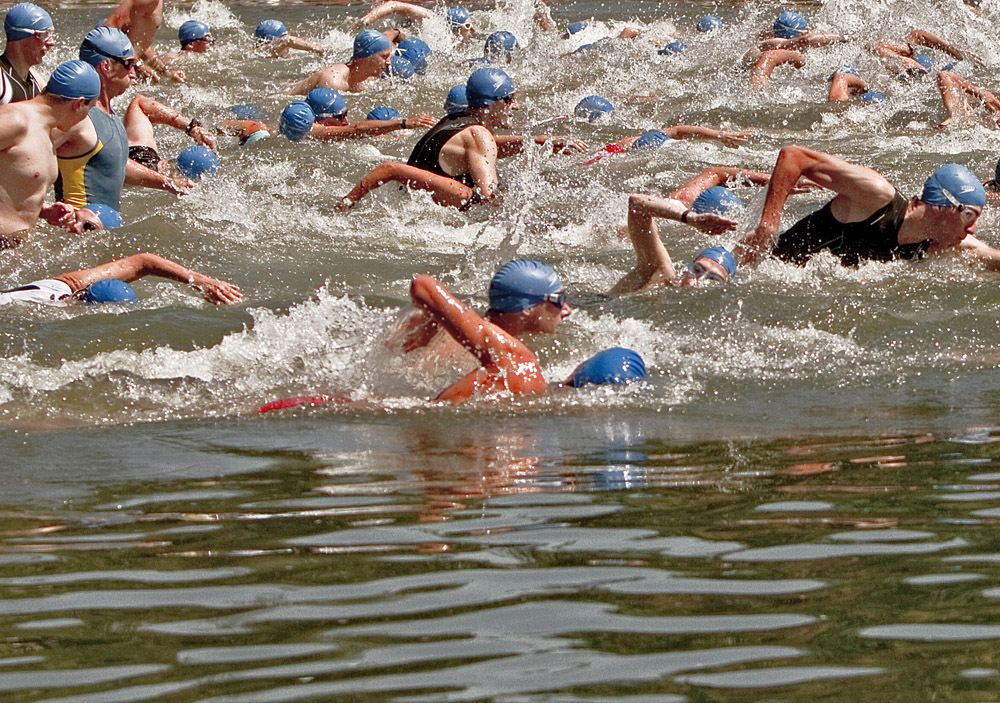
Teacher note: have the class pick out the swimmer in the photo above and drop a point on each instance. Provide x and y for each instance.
(30, 130)
(702, 203)
(108, 283)
(456, 159)
(846, 84)
(904, 56)
(955, 94)
(323, 117)
(868, 220)
(457, 17)
(790, 31)
(143, 112)
(372, 54)
(656, 138)
(273, 38)
(195, 38)
(94, 161)
(140, 20)
(769, 60)
(29, 37)
(500, 47)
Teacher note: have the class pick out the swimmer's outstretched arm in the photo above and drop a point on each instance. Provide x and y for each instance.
(922, 38)
(653, 266)
(445, 191)
(136, 266)
(512, 144)
(978, 252)
(138, 175)
(395, 7)
(158, 113)
(860, 192)
(369, 128)
(730, 139)
(716, 176)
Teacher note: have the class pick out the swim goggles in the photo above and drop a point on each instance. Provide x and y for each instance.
(558, 298)
(698, 272)
(128, 62)
(43, 34)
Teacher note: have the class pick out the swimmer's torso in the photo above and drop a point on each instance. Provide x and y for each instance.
(96, 176)
(427, 152)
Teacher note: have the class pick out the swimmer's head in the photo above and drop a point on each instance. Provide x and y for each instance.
(382, 114)
(488, 85)
(197, 161)
(573, 29)
(456, 103)
(871, 97)
(649, 141)
(192, 31)
(109, 217)
(106, 43)
(399, 67)
(74, 79)
(593, 107)
(953, 185)
(709, 23)
(616, 365)
(674, 47)
(522, 284)
(789, 25)
(256, 137)
(326, 102)
(458, 19)
(718, 200)
(500, 46)
(844, 69)
(26, 20)
(370, 42)
(108, 290)
(925, 61)
(269, 30)
(714, 264)
(416, 52)
(296, 121)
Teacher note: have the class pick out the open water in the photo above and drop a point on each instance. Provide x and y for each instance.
(798, 505)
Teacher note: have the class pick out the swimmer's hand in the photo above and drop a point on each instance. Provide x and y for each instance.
(216, 291)
(425, 121)
(178, 184)
(88, 221)
(174, 74)
(710, 223)
(145, 73)
(202, 136)
(344, 204)
(735, 139)
(62, 215)
(567, 145)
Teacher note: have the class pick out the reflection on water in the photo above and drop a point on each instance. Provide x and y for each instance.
(423, 567)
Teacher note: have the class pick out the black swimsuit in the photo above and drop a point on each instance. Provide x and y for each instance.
(874, 239)
(427, 152)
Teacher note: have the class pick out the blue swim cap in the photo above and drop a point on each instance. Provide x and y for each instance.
(382, 113)
(416, 52)
(109, 290)
(457, 17)
(103, 43)
(573, 29)
(709, 23)
(487, 85)
(24, 19)
(593, 107)
(844, 69)
(256, 137)
(721, 256)
(872, 97)
(674, 47)
(192, 30)
(269, 30)
(456, 103)
(926, 62)
(789, 25)
(500, 46)
(108, 216)
(953, 185)
(370, 42)
(585, 47)
(248, 111)
(718, 200)
(296, 121)
(197, 161)
(653, 139)
(522, 284)
(74, 79)
(616, 365)
(326, 102)
(399, 68)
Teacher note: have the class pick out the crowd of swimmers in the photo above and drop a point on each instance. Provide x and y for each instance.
(61, 135)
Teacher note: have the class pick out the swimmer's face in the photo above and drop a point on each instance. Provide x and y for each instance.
(38, 45)
(549, 314)
(118, 75)
(703, 271)
(200, 46)
(382, 59)
(955, 223)
(500, 113)
(465, 30)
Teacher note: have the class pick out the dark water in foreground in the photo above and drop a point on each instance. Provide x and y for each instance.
(799, 504)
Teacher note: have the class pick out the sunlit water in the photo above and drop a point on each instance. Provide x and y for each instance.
(798, 504)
